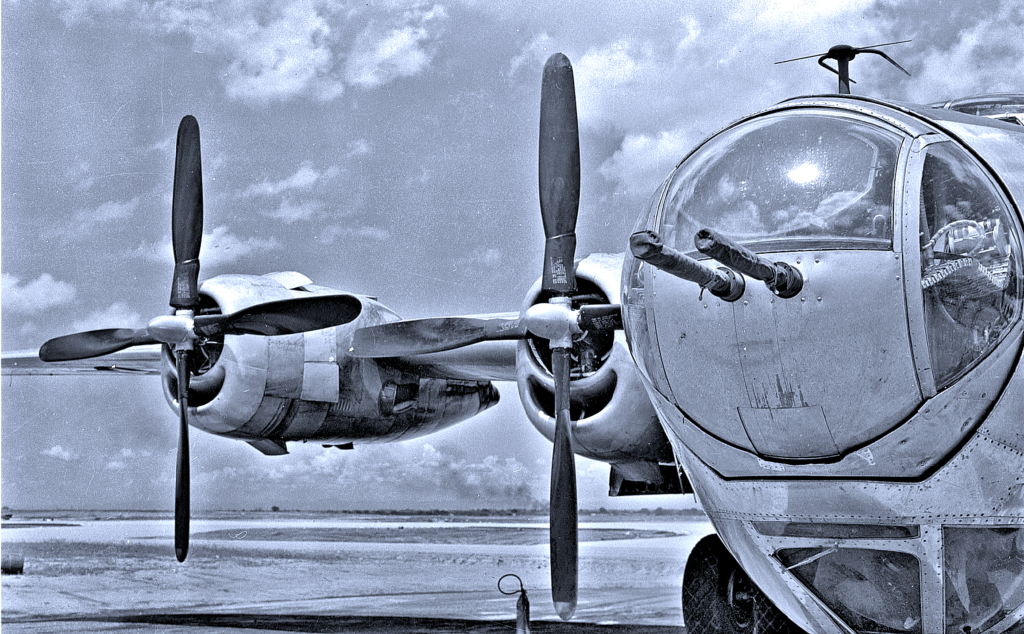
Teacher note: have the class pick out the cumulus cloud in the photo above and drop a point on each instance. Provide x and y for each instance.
(383, 53)
(410, 469)
(60, 453)
(276, 50)
(290, 210)
(117, 315)
(86, 220)
(219, 246)
(614, 77)
(643, 161)
(288, 54)
(36, 296)
(304, 178)
(987, 55)
(127, 457)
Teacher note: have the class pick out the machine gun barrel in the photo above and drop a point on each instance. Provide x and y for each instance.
(781, 278)
(723, 283)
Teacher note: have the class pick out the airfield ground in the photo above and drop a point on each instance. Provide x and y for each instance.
(294, 573)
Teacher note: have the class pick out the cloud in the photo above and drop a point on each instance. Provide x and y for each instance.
(304, 178)
(60, 453)
(281, 55)
(643, 161)
(382, 54)
(986, 55)
(117, 315)
(332, 233)
(613, 77)
(127, 457)
(276, 50)
(359, 147)
(36, 296)
(290, 211)
(85, 220)
(410, 470)
(219, 246)
(481, 257)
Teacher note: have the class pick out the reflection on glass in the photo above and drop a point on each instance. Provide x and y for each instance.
(795, 178)
(971, 262)
(984, 576)
(872, 590)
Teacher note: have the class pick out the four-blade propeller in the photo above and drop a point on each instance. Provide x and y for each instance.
(184, 330)
(556, 321)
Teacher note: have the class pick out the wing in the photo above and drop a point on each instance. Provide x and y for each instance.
(137, 360)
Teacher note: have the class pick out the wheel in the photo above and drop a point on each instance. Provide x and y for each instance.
(719, 597)
(769, 619)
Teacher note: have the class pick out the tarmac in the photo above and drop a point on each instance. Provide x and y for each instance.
(363, 575)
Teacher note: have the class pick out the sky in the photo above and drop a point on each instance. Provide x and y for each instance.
(383, 148)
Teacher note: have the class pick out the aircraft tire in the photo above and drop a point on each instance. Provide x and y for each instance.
(769, 619)
(717, 597)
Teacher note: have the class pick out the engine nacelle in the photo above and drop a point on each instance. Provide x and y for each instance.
(614, 420)
(270, 390)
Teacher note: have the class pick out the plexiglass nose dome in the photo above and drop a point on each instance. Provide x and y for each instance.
(868, 340)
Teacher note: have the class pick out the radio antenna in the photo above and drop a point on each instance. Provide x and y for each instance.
(844, 54)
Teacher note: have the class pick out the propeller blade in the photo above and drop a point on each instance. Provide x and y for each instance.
(559, 172)
(95, 343)
(187, 215)
(563, 513)
(422, 336)
(284, 317)
(181, 483)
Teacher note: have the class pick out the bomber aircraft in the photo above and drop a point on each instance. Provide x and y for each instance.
(816, 329)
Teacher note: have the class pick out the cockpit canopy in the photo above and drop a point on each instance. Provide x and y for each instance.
(784, 182)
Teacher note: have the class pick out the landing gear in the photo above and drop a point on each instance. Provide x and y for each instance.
(719, 598)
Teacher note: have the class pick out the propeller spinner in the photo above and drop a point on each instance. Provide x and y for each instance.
(183, 330)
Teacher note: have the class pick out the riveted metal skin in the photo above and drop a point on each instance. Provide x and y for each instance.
(822, 409)
(305, 387)
(618, 424)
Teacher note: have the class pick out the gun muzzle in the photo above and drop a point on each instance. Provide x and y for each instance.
(723, 283)
(781, 278)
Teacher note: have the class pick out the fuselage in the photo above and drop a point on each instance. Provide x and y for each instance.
(859, 446)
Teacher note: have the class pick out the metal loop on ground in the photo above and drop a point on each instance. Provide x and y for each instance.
(522, 588)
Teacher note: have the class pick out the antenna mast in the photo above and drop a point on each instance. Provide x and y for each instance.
(844, 54)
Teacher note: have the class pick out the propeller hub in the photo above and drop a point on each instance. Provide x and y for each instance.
(555, 321)
(176, 330)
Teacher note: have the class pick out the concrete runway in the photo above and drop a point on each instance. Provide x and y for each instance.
(338, 575)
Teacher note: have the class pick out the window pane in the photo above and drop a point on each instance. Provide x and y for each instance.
(984, 576)
(971, 259)
(872, 590)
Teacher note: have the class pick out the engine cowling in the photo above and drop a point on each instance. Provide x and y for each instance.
(614, 420)
(305, 386)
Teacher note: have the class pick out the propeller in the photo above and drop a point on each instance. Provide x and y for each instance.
(184, 329)
(438, 334)
(559, 180)
(556, 321)
(422, 336)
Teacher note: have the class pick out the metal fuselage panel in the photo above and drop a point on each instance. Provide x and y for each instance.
(813, 429)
